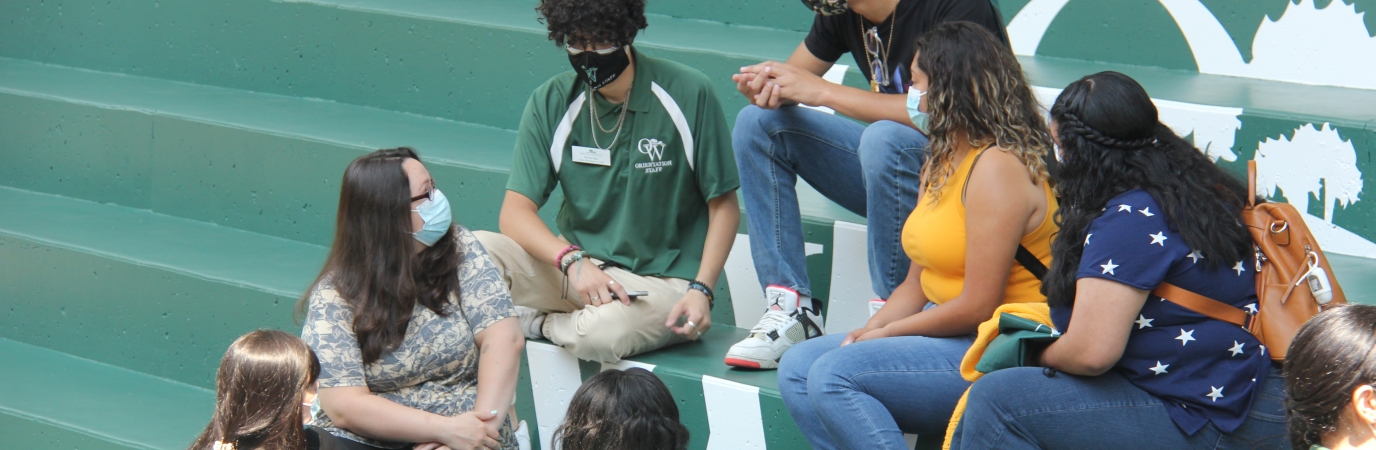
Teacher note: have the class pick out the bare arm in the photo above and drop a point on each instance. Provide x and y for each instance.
(724, 218)
(356, 409)
(1101, 323)
(998, 212)
(907, 299)
(771, 84)
(499, 362)
(520, 221)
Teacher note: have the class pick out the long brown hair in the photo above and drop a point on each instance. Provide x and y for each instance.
(976, 86)
(372, 262)
(258, 393)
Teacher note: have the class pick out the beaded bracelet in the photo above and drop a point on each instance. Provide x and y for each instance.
(570, 260)
(702, 287)
(560, 257)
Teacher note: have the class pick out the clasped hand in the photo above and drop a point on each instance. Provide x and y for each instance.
(772, 84)
(468, 431)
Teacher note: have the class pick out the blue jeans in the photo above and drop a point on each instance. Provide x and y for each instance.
(867, 394)
(1023, 409)
(871, 171)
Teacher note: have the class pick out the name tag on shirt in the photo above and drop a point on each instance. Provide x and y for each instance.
(592, 155)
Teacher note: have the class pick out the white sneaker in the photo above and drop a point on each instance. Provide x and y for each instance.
(785, 323)
(532, 322)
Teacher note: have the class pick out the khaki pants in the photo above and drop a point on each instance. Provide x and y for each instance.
(604, 333)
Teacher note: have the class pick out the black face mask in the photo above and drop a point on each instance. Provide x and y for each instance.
(600, 70)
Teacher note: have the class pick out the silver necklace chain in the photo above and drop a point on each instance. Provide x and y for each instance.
(597, 123)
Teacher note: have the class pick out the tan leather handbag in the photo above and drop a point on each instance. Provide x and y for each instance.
(1294, 280)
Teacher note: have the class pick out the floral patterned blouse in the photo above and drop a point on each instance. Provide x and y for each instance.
(436, 367)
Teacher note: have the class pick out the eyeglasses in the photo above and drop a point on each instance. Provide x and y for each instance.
(874, 46)
(603, 52)
(428, 195)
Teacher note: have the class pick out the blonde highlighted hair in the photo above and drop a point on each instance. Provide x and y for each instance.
(976, 90)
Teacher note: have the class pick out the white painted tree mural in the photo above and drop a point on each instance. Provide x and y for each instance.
(1321, 163)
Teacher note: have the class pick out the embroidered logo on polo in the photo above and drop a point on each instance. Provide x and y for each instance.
(653, 149)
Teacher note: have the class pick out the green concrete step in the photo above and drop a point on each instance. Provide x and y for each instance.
(469, 60)
(781, 14)
(54, 400)
(152, 293)
(476, 61)
(260, 162)
(1357, 276)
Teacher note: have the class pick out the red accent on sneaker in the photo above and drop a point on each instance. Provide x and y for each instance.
(776, 307)
(736, 362)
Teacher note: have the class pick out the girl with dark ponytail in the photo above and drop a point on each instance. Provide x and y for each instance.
(1140, 206)
(1330, 372)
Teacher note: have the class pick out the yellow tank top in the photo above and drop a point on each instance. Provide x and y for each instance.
(934, 238)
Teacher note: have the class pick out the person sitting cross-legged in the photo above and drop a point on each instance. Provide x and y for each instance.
(869, 168)
(1140, 207)
(641, 149)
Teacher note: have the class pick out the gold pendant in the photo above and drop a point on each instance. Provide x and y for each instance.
(874, 86)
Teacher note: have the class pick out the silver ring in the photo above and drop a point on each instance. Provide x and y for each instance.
(611, 282)
(594, 298)
(692, 325)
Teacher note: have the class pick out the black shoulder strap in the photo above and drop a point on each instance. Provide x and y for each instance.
(1023, 256)
(1030, 262)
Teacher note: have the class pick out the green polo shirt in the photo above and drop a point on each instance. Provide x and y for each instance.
(646, 208)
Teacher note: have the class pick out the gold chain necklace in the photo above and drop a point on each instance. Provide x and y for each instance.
(874, 85)
(621, 119)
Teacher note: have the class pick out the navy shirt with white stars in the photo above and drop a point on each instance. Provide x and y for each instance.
(1204, 370)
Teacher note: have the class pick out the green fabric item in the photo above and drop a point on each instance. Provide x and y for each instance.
(1317, 447)
(1009, 348)
(647, 209)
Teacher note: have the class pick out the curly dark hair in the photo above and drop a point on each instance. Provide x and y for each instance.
(1332, 355)
(581, 22)
(1111, 141)
(622, 410)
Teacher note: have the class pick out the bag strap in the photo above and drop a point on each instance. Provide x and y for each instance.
(1204, 305)
(1030, 262)
(1023, 256)
(1251, 184)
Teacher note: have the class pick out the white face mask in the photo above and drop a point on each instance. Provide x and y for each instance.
(918, 117)
(437, 216)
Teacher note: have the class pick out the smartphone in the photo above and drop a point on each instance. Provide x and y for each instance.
(632, 294)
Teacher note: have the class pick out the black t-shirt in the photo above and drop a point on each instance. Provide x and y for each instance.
(832, 36)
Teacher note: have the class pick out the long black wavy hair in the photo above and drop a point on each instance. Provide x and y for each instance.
(373, 264)
(1111, 141)
(1332, 355)
(576, 23)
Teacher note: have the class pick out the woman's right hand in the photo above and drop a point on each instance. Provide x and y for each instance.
(467, 431)
(853, 335)
(594, 287)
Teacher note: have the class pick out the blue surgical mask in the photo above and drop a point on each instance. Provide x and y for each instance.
(435, 212)
(919, 118)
